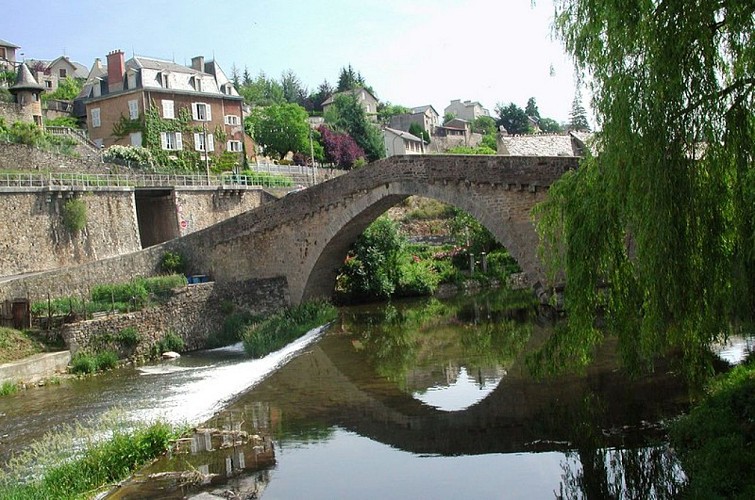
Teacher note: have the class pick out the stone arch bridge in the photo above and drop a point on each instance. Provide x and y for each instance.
(306, 236)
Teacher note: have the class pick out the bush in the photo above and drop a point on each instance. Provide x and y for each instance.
(129, 336)
(133, 291)
(172, 262)
(162, 286)
(106, 360)
(8, 387)
(170, 342)
(74, 215)
(83, 364)
(136, 156)
(285, 326)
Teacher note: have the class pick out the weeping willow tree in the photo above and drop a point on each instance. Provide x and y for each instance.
(656, 232)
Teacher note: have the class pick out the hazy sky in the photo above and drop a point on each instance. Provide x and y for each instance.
(412, 52)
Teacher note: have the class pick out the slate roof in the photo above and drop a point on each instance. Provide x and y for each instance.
(537, 145)
(25, 80)
(5, 43)
(404, 135)
(422, 109)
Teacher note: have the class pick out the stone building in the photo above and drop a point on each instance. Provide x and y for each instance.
(467, 110)
(28, 105)
(197, 106)
(7, 55)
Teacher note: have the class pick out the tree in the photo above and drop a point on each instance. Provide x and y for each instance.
(279, 128)
(339, 149)
(324, 90)
(235, 78)
(578, 116)
(484, 125)
(387, 110)
(513, 118)
(292, 88)
(531, 108)
(262, 91)
(658, 232)
(349, 79)
(67, 90)
(348, 115)
(549, 125)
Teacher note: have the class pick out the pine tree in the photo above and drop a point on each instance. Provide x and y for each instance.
(578, 115)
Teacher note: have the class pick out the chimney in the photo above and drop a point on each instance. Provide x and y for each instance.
(115, 70)
(197, 63)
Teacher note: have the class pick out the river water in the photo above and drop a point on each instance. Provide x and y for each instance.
(418, 399)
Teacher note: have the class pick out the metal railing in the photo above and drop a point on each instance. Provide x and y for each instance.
(65, 180)
(77, 135)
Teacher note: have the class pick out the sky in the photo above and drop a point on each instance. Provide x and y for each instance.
(412, 52)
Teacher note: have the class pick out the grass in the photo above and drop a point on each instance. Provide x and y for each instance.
(170, 342)
(76, 462)
(8, 387)
(285, 326)
(16, 344)
(716, 441)
(84, 363)
(233, 329)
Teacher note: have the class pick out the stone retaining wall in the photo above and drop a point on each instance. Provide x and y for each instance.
(193, 313)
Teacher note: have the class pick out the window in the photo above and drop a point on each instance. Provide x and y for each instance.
(162, 79)
(136, 139)
(232, 120)
(201, 112)
(233, 146)
(199, 142)
(62, 73)
(196, 82)
(133, 109)
(168, 109)
(171, 141)
(96, 117)
(48, 84)
(131, 80)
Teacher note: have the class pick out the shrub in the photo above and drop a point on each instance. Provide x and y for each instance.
(170, 342)
(121, 292)
(83, 364)
(285, 326)
(162, 286)
(106, 360)
(172, 262)
(129, 336)
(129, 155)
(74, 215)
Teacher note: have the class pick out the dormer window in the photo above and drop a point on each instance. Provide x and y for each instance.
(196, 82)
(131, 80)
(162, 79)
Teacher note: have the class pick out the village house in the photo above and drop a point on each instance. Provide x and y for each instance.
(365, 98)
(7, 55)
(424, 116)
(198, 107)
(49, 74)
(466, 110)
(398, 142)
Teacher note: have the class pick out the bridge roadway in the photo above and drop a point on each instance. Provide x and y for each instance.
(305, 236)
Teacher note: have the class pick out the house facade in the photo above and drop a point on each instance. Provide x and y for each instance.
(398, 142)
(467, 110)
(8, 55)
(424, 116)
(162, 105)
(365, 98)
(49, 74)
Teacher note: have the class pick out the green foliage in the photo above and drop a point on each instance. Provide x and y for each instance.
(67, 90)
(74, 214)
(172, 262)
(63, 121)
(84, 363)
(350, 79)
(31, 135)
(489, 142)
(129, 336)
(279, 128)
(75, 462)
(468, 233)
(467, 150)
(125, 126)
(428, 209)
(172, 161)
(715, 441)
(261, 91)
(8, 387)
(387, 110)
(162, 286)
(285, 326)
(16, 344)
(170, 342)
(484, 125)
(254, 178)
(665, 215)
(549, 125)
(578, 115)
(132, 156)
(531, 108)
(234, 326)
(448, 117)
(133, 291)
(347, 115)
(513, 118)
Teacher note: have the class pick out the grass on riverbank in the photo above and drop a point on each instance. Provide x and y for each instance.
(16, 344)
(716, 441)
(286, 326)
(74, 463)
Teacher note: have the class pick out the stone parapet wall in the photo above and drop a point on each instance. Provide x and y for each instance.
(193, 313)
(198, 209)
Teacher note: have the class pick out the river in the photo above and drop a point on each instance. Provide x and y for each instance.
(416, 399)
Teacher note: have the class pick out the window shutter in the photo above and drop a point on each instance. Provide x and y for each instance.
(163, 140)
(210, 146)
(133, 109)
(179, 141)
(228, 146)
(168, 111)
(197, 143)
(194, 115)
(208, 110)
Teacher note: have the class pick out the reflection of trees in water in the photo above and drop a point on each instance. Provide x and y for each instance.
(592, 470)
(395, 338)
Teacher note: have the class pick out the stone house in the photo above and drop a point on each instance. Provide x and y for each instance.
(424, 116)
(50, 73)
(162, 105)
(466, 110)
(399, 142)
(7, 55)
(368, 101)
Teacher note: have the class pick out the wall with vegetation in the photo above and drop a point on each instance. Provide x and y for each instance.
(194, 313)
(20, 157)
(34, 235)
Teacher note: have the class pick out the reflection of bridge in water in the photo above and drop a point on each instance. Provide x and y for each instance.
(520, 415)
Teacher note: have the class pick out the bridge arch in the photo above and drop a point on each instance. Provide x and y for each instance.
(306, 235)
